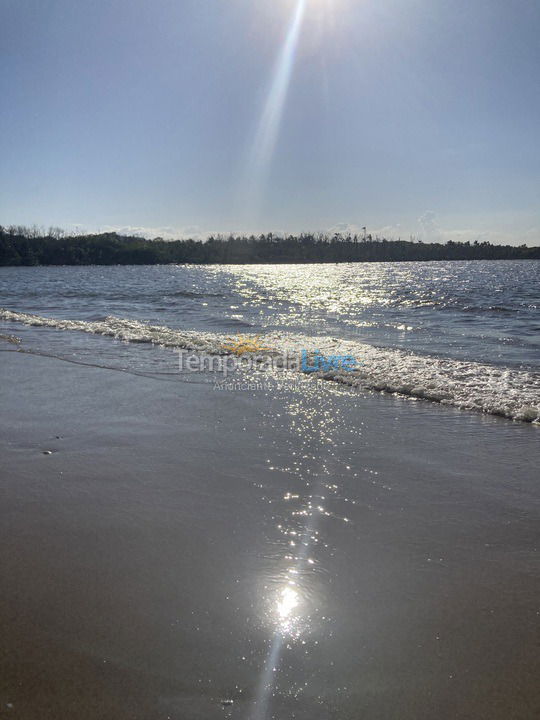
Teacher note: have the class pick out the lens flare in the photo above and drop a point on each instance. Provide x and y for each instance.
(265, 140)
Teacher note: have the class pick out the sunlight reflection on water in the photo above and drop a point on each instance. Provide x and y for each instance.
(294, 593)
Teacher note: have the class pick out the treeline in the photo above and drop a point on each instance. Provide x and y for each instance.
(23, 246)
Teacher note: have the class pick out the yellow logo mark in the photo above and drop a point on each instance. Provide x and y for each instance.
(245, 344)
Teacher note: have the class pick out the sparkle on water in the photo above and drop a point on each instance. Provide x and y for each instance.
(288, 601)
(292, 598)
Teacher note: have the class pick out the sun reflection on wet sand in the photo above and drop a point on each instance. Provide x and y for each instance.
(289, 600)
(294, 594)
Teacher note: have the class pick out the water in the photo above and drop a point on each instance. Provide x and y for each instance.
(312, 554)
(316, 552)
(464, 333)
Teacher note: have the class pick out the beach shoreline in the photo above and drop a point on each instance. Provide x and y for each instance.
(145, 559)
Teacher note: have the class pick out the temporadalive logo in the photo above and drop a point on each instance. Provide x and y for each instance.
(317, 362)
(249, 352)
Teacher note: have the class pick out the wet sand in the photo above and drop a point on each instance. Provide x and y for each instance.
(307, 554)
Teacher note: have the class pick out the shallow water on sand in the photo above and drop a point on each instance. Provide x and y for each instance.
(300, 551)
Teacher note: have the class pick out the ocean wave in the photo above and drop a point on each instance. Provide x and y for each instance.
(507, 392)
(122, 329)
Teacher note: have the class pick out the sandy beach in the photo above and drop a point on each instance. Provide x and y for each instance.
(187, 553)
(269, 360)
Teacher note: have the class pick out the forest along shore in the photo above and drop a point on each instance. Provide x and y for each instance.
(23, 246)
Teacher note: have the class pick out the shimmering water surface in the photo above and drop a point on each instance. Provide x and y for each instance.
(462, 333)
(309, 550)
(484, 311)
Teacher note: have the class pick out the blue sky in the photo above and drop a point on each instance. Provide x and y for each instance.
(179, 117)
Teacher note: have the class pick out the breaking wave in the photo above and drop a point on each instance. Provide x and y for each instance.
(507, 392)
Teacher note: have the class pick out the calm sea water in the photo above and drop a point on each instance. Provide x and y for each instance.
(456, 313)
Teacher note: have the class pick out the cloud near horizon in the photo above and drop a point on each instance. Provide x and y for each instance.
(426, 229)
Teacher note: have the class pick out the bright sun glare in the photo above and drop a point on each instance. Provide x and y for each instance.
(287, 602)
(322, 13)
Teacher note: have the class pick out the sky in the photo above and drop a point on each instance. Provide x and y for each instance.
(180, 118)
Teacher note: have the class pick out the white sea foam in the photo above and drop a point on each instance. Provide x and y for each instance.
(508, 392)
(124, 329)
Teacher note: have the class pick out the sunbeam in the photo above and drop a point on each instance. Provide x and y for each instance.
(264, 143)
